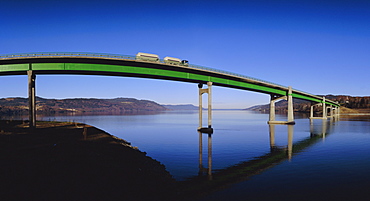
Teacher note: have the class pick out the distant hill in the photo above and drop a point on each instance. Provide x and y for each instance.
(181, 107)
(19, 106)
(281, 106)
(359, 104)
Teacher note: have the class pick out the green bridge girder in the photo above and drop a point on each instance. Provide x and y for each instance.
(89, 64)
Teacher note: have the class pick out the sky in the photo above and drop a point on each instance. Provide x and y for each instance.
(320, 47)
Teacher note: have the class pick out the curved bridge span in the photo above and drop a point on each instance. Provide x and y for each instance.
(129, 66)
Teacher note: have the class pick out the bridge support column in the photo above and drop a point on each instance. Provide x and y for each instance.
(324, 110)
(272, 108)
(337, 107)
(311, 111)
(290, 107)
(337, 113)
(330, 114)
(32, 98)
(289, 98)
(208, 129)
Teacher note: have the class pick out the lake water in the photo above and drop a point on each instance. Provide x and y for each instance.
(317, 160)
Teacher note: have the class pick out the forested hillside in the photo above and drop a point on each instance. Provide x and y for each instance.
(19, 106)
(358, 103)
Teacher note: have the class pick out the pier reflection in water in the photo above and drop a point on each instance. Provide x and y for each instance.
(289, 146)
(208, 180)
(207, 170)
(326, 154)
(329, 164)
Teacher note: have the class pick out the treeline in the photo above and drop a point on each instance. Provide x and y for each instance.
(351, 102)
(19, 106)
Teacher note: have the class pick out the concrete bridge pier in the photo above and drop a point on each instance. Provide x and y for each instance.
(331, 111)
(311, 111)
(336, 112)
(32, 98)
(289, 98)
(324, 110)
(208, 129)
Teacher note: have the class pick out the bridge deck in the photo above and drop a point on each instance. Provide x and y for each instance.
(121, 65)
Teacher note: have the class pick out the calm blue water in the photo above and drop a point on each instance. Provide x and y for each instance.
(334, 165)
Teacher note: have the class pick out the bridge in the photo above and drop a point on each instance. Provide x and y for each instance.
(32, 64)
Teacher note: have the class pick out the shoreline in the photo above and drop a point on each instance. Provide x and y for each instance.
(73, 161)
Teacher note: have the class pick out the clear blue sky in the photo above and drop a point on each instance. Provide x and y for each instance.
(321, 47)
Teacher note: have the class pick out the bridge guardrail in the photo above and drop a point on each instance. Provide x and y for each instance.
(129, 57)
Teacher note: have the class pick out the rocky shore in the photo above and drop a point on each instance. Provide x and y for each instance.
(68, 161)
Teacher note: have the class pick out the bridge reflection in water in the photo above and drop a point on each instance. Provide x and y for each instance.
(202, 169)
(208, 181)
(288, 148)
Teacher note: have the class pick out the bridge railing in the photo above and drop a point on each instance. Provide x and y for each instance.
(235, 74)
(129, 57)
